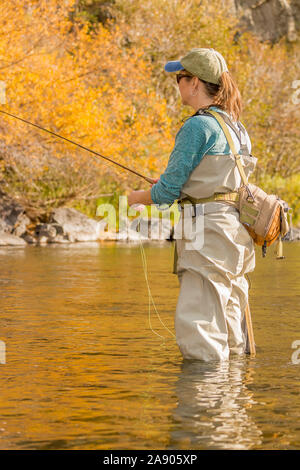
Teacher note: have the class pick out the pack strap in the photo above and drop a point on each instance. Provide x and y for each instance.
(238, 129)
(231, 145)
(240, 133)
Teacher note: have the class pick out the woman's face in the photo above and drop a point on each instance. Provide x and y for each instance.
(186, 86)
(192, 91)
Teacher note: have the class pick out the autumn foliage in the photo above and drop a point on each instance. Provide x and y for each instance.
(103, 85)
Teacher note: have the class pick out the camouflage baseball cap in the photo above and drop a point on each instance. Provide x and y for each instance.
(206, 64)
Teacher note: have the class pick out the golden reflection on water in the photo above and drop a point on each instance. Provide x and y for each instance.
(213, 404)
(84, 371)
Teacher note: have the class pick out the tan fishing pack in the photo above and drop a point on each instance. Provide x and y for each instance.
(263, 215)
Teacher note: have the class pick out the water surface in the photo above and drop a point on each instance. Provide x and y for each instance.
(84, 370)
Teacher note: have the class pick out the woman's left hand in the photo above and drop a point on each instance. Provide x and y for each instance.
(133, 197)
(140, 197)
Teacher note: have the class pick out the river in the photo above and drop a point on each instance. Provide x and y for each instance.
(82, 368)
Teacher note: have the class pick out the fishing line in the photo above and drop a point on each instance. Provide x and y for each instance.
(150, 297)
(144, 260)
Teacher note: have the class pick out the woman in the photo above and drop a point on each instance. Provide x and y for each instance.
(213, 289)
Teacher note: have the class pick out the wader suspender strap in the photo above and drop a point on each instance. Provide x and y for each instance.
(231, 145)
(240, 132)
(241, 135)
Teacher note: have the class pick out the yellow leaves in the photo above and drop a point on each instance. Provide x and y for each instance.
(107, 89)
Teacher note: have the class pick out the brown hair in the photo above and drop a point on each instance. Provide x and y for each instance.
(226, 95)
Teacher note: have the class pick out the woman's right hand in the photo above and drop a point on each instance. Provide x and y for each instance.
(154, 181)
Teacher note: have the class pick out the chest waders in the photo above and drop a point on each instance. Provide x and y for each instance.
(213, 300)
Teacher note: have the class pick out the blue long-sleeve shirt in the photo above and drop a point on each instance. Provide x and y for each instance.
(198, 136)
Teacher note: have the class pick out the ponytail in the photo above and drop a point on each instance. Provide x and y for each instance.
(226, 95)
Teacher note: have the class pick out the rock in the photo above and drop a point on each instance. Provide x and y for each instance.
(76, 226)
(13, 221)
(270, 20)
(108, 235)
(20, 227)
(4, 226)
(50, 233)
(292, 235)
(29, 238)
(60, 239)
(9, 239)
(12, 216)
(45, 230)
(43, 240)
(295, 6)
(152, 229)
(59, 230)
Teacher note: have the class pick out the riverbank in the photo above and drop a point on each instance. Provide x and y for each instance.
(20, 225)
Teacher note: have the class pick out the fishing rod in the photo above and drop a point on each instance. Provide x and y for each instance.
(149, 180)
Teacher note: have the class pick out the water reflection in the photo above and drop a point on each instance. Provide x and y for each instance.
(84, 371)
(213, 404)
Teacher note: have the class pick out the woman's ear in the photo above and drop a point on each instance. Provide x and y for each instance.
(196, 82)
(196, 86)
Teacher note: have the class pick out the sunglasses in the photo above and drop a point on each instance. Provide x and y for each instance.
(179, 76)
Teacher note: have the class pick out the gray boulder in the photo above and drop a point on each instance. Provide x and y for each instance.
(13, 219)
(9, 239)
(153, 229)
(270, 20)
(292, 235)
(49, 233)
(74, 225)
